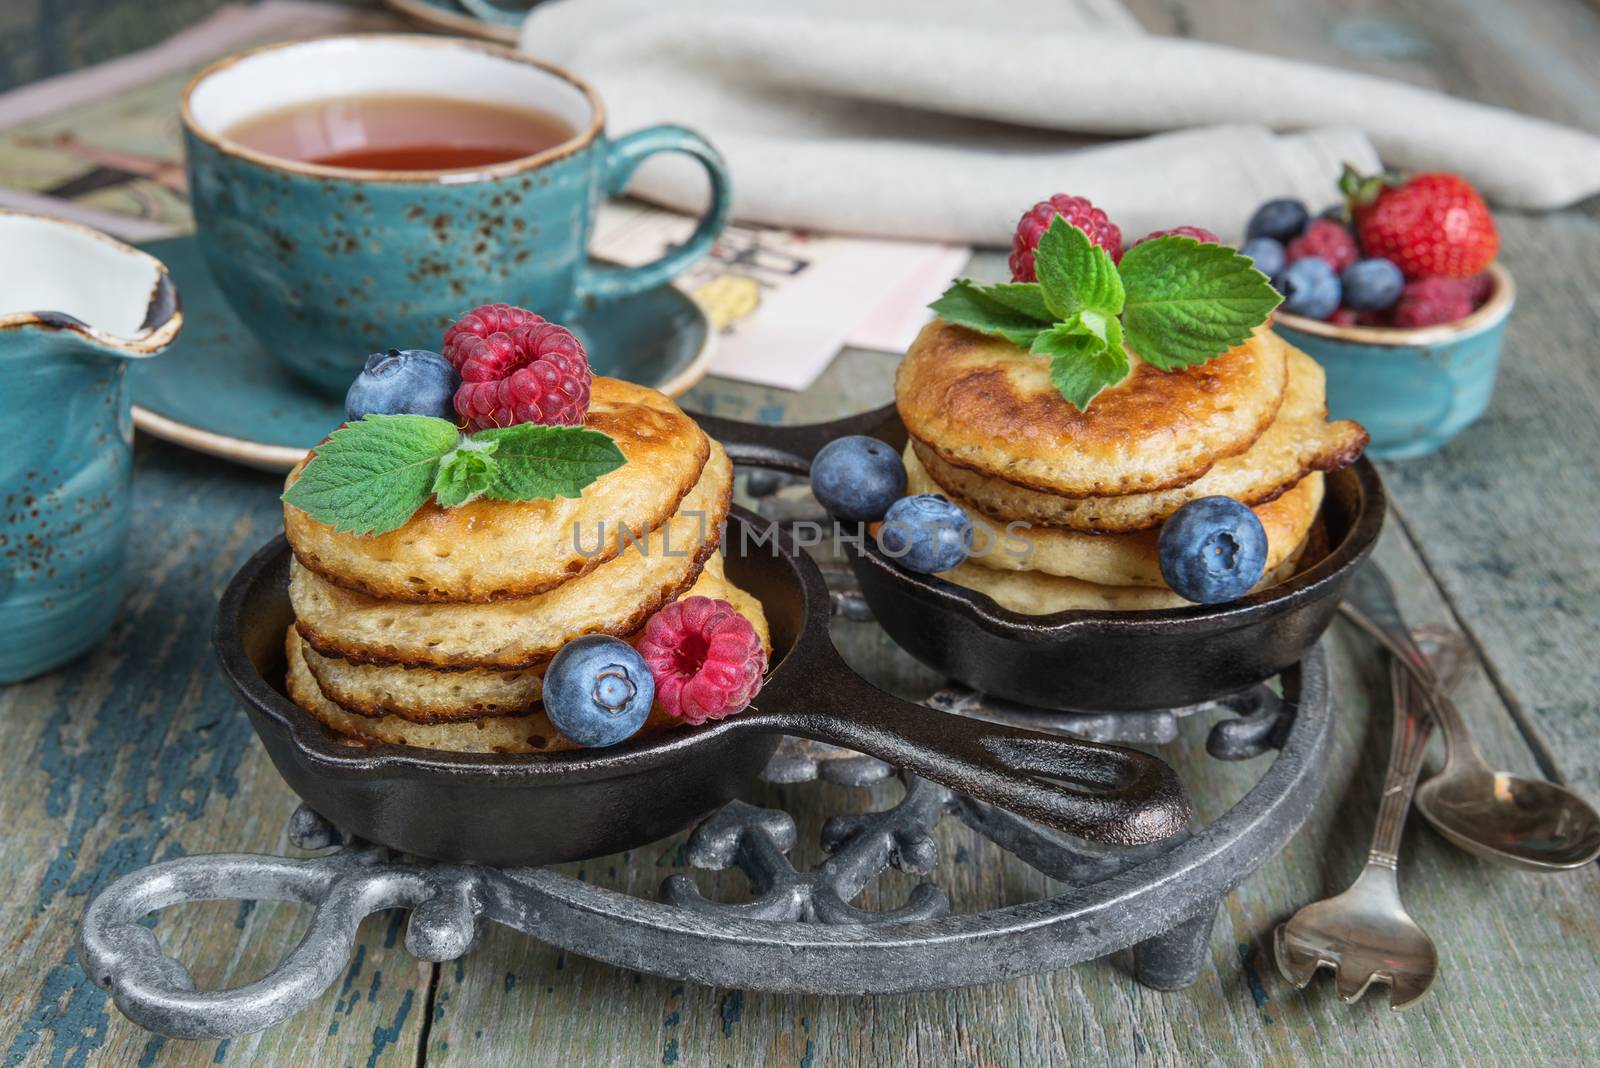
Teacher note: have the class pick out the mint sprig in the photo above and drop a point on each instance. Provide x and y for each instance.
(537, 462)
(1175, 302)
(975, 305)
(1190, 302)
(372, 475)
(1075, 274)
(465, 472)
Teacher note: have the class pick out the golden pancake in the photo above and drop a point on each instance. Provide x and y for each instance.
(1299, 441)
(426, 695)
(1111, 559)
(1033, 593)
(490, 549)
(521, 632)
(530, 733)
(981, 403)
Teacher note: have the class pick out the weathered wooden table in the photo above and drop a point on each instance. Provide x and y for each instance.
(138, 753)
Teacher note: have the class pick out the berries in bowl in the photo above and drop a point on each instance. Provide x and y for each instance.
(1397, 293)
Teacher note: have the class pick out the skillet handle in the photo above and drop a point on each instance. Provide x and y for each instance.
(788, 448)
(1103, 793)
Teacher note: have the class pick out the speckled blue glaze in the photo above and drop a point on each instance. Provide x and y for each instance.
(326, 267)
(1413, 390)
(66, 471)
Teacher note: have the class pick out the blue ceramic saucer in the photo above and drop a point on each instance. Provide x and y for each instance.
(218, 391)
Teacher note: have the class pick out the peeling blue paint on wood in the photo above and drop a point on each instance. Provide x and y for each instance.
(71, 1011)
(1252, 977)
(383, 1037)
(152, 1049)
(348, 994)
(397, 921)
(732, 1011)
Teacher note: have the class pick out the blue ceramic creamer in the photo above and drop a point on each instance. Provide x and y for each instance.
(75, 306)
(326, 264)
(1413, 389)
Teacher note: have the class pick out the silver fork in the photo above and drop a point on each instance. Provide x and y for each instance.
(1365, 934)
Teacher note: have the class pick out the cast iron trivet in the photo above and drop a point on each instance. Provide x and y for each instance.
(798, 932)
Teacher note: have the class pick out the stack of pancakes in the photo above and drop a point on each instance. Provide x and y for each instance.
(1068, 505)
(437, 634)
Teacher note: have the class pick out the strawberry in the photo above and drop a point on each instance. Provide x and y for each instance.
(1428, 225)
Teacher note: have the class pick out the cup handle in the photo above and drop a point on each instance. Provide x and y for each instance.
(602, 283)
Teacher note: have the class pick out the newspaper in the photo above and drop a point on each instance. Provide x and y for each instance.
(103, 146)
(785, 301)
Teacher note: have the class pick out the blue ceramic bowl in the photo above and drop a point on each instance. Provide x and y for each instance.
(1412, 389)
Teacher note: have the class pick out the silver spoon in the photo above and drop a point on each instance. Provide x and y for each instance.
(1528, 823)
(1365, 934)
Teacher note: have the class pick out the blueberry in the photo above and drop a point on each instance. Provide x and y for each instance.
(1372, 285)
(1212, 550)
(409, 382)
(598, 690)
(1309, 288)
(857, 477)
(1338, 211)
(1280, 220)
(1266, 253)
(925, 533)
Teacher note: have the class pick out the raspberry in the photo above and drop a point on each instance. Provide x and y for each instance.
(1199, 233)
(1327, 239)
(1077, 211)
(705, 657)
(1480, 287)
(517, 368)
(480, 322)
(1428, 301)
(1344, 317)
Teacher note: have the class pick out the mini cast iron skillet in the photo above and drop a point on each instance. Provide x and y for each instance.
(498, 809)
(1088, 660)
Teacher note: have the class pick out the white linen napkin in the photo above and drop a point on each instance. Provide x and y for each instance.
(946, 119)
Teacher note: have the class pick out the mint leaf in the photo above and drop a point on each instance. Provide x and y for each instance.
(1065, 341)
(372, 474)
(1104, 328)
(966, 304)
(1075, 273)
(1024, 297)
(465, 472)
(535, 462)
(1082, 364)
(1189, 302)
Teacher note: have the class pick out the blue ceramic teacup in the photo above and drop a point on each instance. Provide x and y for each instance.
(75, 307)
(326, 264)
(1413, 389)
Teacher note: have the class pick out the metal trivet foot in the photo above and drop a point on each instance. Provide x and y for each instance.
(799, 932)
